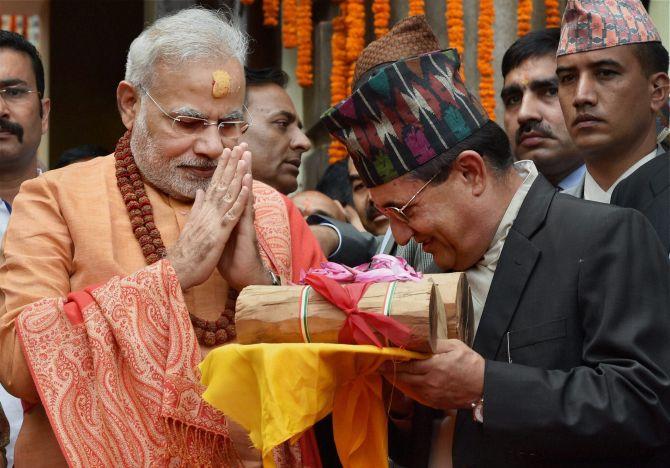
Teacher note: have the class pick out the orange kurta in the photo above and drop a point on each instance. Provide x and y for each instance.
(69, 230)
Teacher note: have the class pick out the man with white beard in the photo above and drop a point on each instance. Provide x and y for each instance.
(120, 273)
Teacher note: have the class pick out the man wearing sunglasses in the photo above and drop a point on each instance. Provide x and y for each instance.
(569, 364)
(130, 264)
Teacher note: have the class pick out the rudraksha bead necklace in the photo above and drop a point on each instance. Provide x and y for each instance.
(141, 214)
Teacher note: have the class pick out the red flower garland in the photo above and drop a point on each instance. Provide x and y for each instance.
(485, 48)
(524, 16)
(304, 70)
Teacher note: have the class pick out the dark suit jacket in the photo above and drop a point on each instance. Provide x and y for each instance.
(575, 332)
(648, 190)
(356, 247)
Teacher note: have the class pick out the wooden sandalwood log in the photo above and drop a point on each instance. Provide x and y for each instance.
(272, 314)
(455, 292)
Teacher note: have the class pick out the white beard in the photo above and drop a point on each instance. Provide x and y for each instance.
(165, 175)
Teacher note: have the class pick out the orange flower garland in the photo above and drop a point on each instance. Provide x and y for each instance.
(339, 76)
(270, 12)
(355, 23)
(485, 56)
(524, 15)
(340, 68)
(553, 13)
(381, 9)
(304, 71)
(456, 28)
(289, 23)
(416, 7)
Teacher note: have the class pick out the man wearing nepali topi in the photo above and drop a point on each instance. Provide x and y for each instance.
(569, 364)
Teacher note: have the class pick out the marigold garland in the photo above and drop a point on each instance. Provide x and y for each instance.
(340, 69)
(456, 28)
(381, 10)
(304, 70)
(289, 23)
(355, 22)
(553, 13)
(339, 76)
(270, 12)
(485, 48)
(524, 15)
(416, 7)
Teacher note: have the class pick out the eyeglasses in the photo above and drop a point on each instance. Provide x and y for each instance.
(188, 125)
(13, 94)
(399, 213)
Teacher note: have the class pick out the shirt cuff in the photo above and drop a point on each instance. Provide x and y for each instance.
(339, 238)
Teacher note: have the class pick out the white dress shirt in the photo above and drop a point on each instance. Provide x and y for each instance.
(480, 275)
(592, 190)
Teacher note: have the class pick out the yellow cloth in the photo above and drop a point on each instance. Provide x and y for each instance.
(277, 391)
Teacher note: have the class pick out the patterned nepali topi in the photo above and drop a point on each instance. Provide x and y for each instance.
(409, 106)
(410, 37)
(598, 24)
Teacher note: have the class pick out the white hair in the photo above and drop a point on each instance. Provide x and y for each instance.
(189, 35)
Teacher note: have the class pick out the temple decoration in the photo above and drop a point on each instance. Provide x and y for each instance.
(289, 23)
(456, 29)
(355, 22)
(381, 10)
(524, 15)
(416, 7)
(553, 13)
(339, 75)
(304, 69)
(485, 47)
(270, 12)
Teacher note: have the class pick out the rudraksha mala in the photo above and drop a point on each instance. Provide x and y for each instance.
(141, 214)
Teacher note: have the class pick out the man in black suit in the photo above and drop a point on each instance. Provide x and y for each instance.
(648, 190)
(612, 90)
(569, 364)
